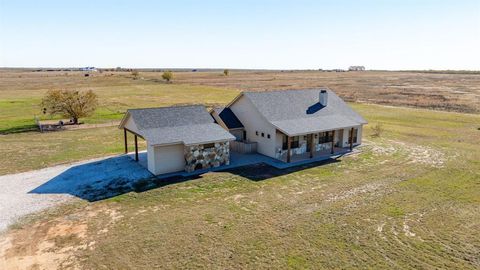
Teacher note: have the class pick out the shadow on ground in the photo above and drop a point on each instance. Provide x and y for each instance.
(114, 176)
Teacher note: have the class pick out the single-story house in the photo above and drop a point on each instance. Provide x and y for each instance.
(178, 138)
(290, 124)
(287, 125)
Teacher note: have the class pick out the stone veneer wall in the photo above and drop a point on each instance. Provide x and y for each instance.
(197, 156)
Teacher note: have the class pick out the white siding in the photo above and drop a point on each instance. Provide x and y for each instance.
(165, 159)
(253, 121)
(130, 125)
(346, 135)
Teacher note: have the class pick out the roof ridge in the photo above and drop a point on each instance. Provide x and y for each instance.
(288, 90)
(168, 107)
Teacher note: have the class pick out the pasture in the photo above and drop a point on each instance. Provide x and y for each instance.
(409, 199)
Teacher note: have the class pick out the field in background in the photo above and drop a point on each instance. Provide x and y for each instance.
(409, 200)
(21, 92)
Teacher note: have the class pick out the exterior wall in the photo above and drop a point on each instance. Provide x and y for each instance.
(198, 157)
(130, 125)
(253, 121)
(165, 159)
(238, 133)
(346, 135)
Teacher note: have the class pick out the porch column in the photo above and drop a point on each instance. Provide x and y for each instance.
(125, 140)
(311, 145)
(136, 148)
(289, 146)
(333, 142)
(351, 139)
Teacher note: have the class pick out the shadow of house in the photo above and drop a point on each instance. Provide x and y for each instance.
(97, 180)
(262, 171)
(114, 176)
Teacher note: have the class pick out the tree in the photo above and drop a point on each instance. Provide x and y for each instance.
(167, 76)
(135, 74)
(70, 103)
(226, 72)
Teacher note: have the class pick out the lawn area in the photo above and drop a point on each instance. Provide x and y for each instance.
(409, 200)
(20, 96)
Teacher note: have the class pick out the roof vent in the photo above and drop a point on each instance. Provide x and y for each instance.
(323, 97)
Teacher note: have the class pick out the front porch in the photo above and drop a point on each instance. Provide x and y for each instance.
(309, 146)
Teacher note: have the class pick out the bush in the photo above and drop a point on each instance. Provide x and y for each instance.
(70, 103)
(377, 130)
(135, 74)
(226, 72)
(167, 76)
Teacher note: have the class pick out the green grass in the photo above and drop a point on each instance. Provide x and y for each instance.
(20, 105)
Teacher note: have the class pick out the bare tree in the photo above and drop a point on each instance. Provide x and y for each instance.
(70, 103)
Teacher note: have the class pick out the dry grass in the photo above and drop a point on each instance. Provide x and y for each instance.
(409, 200)
(451, 92)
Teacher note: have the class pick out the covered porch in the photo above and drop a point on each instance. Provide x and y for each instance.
(324, 143)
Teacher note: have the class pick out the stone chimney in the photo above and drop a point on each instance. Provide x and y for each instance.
(323, 98)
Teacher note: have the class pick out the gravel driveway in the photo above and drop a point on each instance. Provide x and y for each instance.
(29, 192)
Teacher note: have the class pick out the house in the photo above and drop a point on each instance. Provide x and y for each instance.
(182, 138)
(356, 68)
(286, 126)
(292, 125)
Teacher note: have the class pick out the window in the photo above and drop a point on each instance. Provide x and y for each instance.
(268, 136)
(263, 134)
(208, 145)
(294, 141)
(325, 137)
(256, 133)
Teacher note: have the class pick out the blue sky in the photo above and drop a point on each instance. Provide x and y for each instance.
(388, 34)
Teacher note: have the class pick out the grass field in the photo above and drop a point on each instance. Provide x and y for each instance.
(21, 92)
(409, 200)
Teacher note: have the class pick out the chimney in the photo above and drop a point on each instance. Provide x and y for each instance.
(323, 97)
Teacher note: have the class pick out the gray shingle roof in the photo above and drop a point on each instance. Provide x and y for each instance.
(182, 124)
(298, 112)
(170, 116)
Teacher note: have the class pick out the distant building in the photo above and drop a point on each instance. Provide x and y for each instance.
(88, 69)
(356, 68)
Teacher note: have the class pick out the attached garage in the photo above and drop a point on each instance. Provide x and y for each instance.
(182, 138)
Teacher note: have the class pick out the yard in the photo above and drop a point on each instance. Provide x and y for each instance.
(409, 199)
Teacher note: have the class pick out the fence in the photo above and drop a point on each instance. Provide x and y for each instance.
(243, 147)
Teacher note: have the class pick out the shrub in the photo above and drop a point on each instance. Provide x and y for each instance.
(135, 74)
(167, 76)
(377, 130)
(226, 72)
